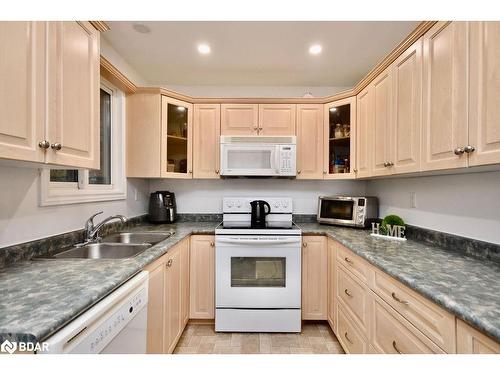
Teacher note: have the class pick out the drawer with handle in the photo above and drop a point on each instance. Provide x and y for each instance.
(353, 295)
(430, 319)
(392, 334)
(351, 339)
(352, 262)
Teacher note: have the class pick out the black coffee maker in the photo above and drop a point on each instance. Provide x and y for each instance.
(259, 213)
(162, 207)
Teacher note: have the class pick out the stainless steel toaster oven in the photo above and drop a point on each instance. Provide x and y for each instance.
(348, 211)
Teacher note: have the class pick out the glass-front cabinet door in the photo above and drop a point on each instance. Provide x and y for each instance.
(177, 138)
(339, 137)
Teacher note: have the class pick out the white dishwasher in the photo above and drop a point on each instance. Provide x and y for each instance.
(117, 324)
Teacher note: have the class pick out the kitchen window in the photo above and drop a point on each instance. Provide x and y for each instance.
(66, 186)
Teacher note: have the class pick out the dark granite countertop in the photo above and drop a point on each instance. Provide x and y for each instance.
(467, 287)
(39, 297)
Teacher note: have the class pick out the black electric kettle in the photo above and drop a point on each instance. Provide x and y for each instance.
(259, 213)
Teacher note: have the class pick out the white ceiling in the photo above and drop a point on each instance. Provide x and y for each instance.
(256, 53)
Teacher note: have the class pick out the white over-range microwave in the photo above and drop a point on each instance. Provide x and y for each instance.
(273, 156)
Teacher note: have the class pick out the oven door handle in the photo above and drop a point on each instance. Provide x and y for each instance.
(259, 242)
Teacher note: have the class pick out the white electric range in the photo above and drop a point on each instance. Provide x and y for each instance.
(258, 270)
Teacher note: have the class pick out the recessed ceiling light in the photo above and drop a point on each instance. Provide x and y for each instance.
(315, 49)
(204, 49)
(334, 109)
(141, 28)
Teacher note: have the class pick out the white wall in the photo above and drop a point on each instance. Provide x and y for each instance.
(462, 204)
(119, 62)
(252, 91)
(22, 219)
(205, 196)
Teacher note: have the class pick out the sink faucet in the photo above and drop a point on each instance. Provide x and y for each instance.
(91, 230)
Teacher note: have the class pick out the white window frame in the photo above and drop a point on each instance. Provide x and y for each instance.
(59, 193)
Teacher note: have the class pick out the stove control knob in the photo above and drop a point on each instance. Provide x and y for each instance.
(238, 204)
(276, 204)
(229, 204)
(284, 204)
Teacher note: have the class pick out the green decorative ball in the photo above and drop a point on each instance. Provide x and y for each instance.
(390, 220)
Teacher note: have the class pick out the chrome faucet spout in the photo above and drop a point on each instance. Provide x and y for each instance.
(92, 231)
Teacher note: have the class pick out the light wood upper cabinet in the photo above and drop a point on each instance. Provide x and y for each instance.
(206, 136)
(484, 112)
(407, 106)
(471, 341)
(52, 76)
(339, 149)
(382, 126)
(22, 92)
(310, 141)
(202, 279)
(177, 138)
(364, 143)
(314, 278)
(239, 119)
(73, 79)
(445, 96)
(277, 119)
(258, 119)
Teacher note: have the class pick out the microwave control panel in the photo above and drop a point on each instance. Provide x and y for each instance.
(287, 163)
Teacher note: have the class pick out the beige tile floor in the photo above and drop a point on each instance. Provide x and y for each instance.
(315, 338)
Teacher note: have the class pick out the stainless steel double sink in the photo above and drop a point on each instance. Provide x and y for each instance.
(115, 246)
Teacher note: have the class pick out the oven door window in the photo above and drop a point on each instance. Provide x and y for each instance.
(255, 272)
(337, 209)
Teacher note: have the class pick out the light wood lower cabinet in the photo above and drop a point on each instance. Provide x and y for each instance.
(202, 277)
(352, 340)
(471, 341)
(168, 299)
(430, 319)
(331, 298)
(393, 334)
(310, 141)
(206, 134)
(314, 278)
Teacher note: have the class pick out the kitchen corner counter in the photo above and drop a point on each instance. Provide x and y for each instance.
(41, 296)
(467, 287)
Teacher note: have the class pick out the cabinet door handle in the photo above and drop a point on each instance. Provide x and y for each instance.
(468, 149)
(216, 171)
(304, 244)
(298, 171)
(346, 291)
(44, 144)
(348, 260)
(395, 346)
(212, 244)
(402, 301)
(169, 263)
(355, 170)
(459, 151)
(56, 146)
(347, 337)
